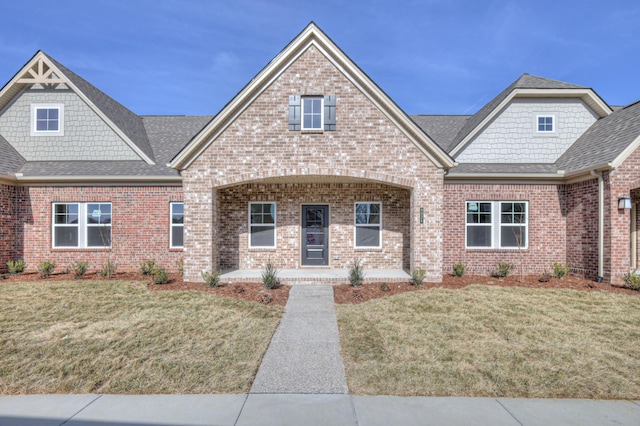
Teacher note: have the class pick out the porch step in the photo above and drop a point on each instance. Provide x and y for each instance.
(304, 353)
(315, 276)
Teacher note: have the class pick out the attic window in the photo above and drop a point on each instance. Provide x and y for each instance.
(47, 120)
(546, 123)
(312, 113)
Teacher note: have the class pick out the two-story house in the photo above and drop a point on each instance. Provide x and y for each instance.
(312, 165)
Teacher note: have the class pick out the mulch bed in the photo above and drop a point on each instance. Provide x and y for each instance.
(255, 292)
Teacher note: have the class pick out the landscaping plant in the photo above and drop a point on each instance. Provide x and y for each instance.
(269, 276)
(632, 280)
(79, 267)
(16, 267)
(108, 269)
(560, 269)
(160, 275)
(211, 278)
(418, 276)
(356, 273)
(503, 269)
(459, 269)
(45, 268)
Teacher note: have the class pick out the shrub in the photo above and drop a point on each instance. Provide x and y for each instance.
(147, 267)
(269, 276)
(417, 276)
(108, 269)
(384, 287)
(211, 278)
(45, 268)
(632, 280)
(356, 273)
(160, 276)
(265, 298)
(503, 269)
(459, 269)
(79, 268)
(16, 267)
(560, 270)
(180, 266)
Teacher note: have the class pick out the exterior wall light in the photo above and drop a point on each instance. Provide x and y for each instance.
(624, 203)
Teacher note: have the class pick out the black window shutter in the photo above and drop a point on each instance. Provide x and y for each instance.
(294, 112)
(330, 113)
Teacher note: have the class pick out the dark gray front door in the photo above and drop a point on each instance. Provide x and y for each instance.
(315, 241)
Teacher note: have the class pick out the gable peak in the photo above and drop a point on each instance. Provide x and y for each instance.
(40, 70)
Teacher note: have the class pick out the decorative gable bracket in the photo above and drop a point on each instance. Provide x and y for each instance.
(41, 73)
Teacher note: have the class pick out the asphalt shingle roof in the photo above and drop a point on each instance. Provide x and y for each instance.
(441, 128)
(508, 168)
(10, 160)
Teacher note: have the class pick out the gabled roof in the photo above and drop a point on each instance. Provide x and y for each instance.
(607, 143)
(42, 69)
(526, 86)
(441, 128)
(311, 36)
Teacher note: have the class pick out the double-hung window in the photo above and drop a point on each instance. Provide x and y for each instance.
(368, 225)
(47, 119)
(497, 224)
(81, 225)
(176, 233)
(262, 225)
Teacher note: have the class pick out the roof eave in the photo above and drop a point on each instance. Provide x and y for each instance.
(93, 179)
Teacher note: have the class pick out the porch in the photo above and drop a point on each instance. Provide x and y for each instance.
(315, 276)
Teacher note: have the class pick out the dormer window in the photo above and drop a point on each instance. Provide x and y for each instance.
(546, 124)
(47, 119)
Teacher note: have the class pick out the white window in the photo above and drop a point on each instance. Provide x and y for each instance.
(262, 225)
(47, 120)
(312, 113)
(545, 123)
(497, 224)
(176, 232)
(368, 225)
(81, 225)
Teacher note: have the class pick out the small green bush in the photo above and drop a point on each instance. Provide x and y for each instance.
(16, 267)
(356, 273)
(79, 267)
(418, 276)
(632, 280)
(503, 269)
(459, 269)
(269, 276)
(211, 278)
(108, 269)
(147, 267)
(160, 275)
(45, 268)
(560, 270)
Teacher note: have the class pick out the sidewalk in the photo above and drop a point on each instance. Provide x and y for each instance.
(299, 409)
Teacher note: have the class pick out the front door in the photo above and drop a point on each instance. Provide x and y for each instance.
(315, 233)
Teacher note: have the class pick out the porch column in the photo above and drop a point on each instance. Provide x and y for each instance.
(426, 228)
(200, 230)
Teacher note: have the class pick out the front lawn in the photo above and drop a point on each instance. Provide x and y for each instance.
(494, 342)
(118, 337)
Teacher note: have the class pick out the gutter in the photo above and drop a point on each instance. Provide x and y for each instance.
(84, 180)
(600, 224)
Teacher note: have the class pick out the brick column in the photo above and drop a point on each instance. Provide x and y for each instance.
(200, 230)
(426, 237)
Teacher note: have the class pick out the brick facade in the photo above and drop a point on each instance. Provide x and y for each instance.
(547, 224)
(289, 198)
(582, 227)
(140, 225)
(366, 147)
(7, 225)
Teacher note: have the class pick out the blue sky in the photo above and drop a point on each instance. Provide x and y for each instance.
(431, 57)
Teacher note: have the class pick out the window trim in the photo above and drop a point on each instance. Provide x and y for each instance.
(275, 227)
(359, 225)
(175, 225)
(82, 225)
(553, 124)
(321, 113)
(496, 225)
(34, 120)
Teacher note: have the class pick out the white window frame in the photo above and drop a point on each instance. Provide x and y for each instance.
(370, 225)
(553, 124)
(175, 225)
(302, 113)
(274, 225)
(34, 120)
(496, 225)
(82, 225)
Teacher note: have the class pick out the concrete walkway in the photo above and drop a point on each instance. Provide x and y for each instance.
(304, 353)
(290, 409)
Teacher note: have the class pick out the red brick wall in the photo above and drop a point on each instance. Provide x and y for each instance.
(547, 239)
(7, 225)
(582, 227)
(140, 225)
(289, 198)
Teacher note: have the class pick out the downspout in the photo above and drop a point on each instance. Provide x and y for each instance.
(600, 224)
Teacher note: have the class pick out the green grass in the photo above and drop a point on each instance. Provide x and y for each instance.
(494, 341)
(117, 337)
